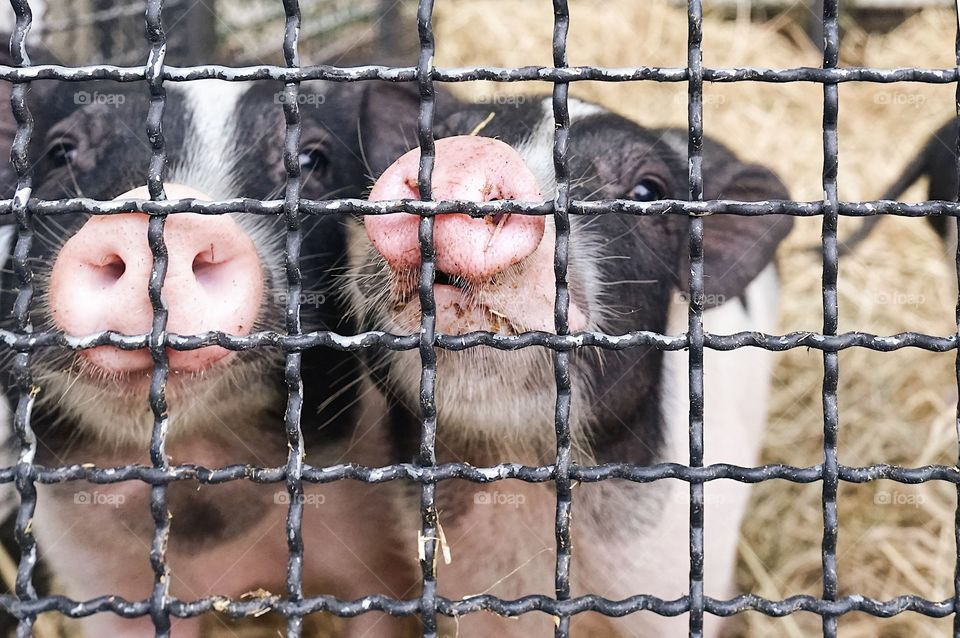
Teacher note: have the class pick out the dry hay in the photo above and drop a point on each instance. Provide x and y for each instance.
(896, 407)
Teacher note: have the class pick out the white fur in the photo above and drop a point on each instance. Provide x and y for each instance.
(736, 388)
(210, 156)
(537, 150)
(8, 235)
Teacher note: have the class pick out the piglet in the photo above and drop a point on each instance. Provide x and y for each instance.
(625, 273)
(225, 273)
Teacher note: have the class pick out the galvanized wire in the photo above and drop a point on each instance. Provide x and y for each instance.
(23, 472)
(561, 358)
(831, 372)
(160, 598)
(428, 538)
(695, 336)
(296, 450)
(25, 604)
(488, 73)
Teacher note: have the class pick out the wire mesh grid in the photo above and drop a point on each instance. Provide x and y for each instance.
(25, 604)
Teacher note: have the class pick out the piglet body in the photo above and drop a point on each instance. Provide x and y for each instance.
(625, 273)
(226, 408)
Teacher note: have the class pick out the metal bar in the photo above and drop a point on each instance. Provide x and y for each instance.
(561, 358)
(854, 603)
(24, 479)
(956, 523)
(365, 340)
(831, 54)
(486, 73)
(479, 209)
(159, 599)
(427, 457)
(292, 369)
(695, 312)
(503, 471)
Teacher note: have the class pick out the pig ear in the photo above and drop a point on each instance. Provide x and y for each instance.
(737, 248)
(388, 124)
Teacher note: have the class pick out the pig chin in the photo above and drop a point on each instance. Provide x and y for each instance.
(115, 410)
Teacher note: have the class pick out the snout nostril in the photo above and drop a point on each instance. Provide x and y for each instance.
(204, 265)
(112, 268)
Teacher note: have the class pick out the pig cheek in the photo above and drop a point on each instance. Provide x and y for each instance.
(532, 299)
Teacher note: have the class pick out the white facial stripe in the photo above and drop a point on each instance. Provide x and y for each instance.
(579, 109)
(537, 150)
(209, 159)
(537, 153)
(7, 233)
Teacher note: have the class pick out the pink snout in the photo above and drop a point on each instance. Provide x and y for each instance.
(214, 281)
(470, 169)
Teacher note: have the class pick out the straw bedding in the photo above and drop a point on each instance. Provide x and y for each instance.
(895, 407)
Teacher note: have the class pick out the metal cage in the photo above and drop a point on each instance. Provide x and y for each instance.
(25, 604)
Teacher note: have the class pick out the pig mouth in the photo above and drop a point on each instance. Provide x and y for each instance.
(509, 303)
(470, 306)
(462, 306)
(93, 368)
(518, 299)
(443, 279)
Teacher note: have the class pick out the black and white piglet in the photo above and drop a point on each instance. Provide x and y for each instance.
(226, 273)
(625, 273)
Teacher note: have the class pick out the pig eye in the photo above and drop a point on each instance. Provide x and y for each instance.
(647, 190)
(62, 152)
(313, 160)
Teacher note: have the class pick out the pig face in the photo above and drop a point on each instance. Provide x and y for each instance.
(496, 274)
(225, 273)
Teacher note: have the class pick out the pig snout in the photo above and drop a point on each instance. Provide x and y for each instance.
(100, 278)
(469, 169)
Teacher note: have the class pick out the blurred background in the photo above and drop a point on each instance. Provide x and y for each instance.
(897, 408)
